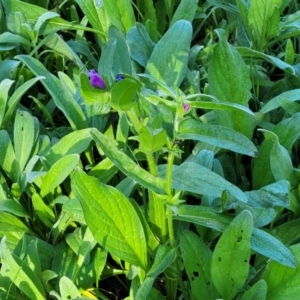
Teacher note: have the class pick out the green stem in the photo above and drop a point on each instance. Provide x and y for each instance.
(151, 164)
(138, 126)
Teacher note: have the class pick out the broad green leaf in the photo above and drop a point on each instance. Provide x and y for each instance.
(162, 260)
(105, 170)
(185, 11)
(19, 273)
(45, 214)
(228, 74)
(201, 215)
(283, 282)
(261, 171)
(229, 81)
(15, 98)
(8, 67)
(230, 260)
(293, 95)
(152, 241)
(32, 13)
(96, 14)
(280, 160)
(115, 11)
(24, 137)
(12, 228)
(74, 210)
(43, 18)
(5, 86)
(169, 58)
(152, 141)
(217, 105)
(288, 131)
(106, 62)
(197, 259)
(73, 143)
(68, 289)
(257, 291)
(194, 178)
(288, 232)
(215, 135)
(10, 38)
(267, 245)
(121, 57)
(111, 218)
(123, 92)
(126, 165)
(140, 44)
(13, 207)
(264, 18)
(246, 52)
(59, 171)
(8, 160)
(63, 99)
(261, 241)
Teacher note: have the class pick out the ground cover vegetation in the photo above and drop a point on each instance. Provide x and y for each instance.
(149, 149)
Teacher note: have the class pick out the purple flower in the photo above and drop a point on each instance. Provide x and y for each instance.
(186, 107)
(119, 77)
(96, 80)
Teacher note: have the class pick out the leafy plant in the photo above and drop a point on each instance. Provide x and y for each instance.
(149, 150)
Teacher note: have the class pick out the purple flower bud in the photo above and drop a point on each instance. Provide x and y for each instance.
(96, 80)
(119, 77)
(186, 107)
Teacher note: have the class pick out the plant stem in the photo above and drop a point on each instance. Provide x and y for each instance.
(134, 120)
(151, 164)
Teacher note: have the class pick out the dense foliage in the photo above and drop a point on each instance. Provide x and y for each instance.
(149, 149)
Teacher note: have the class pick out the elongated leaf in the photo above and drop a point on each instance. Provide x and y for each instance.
(115, 11)
(8, 67)
(163, 259)
(185, 11)
(216, 135)
(288, 131)
(201, 215)
(121, 56)
(32, 13)
(73, 143)
(126, 165)
(140, 44)
(257, 291)
(5, 86)
(197, 259)
(230, 260)
(266, 244)
(96, 14)
(219, 105)
(44, 213)
(13, 207)
(15, 98)
(61, 97)
(264, 18)
(24, 137)
(20, 273)
(250, 53)
(195, 178)
(229, 81)
(261, 241)
(111, 218)
(283, 282)
(68, 289)
(169, 58)
(7, 156)
(58, 173)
